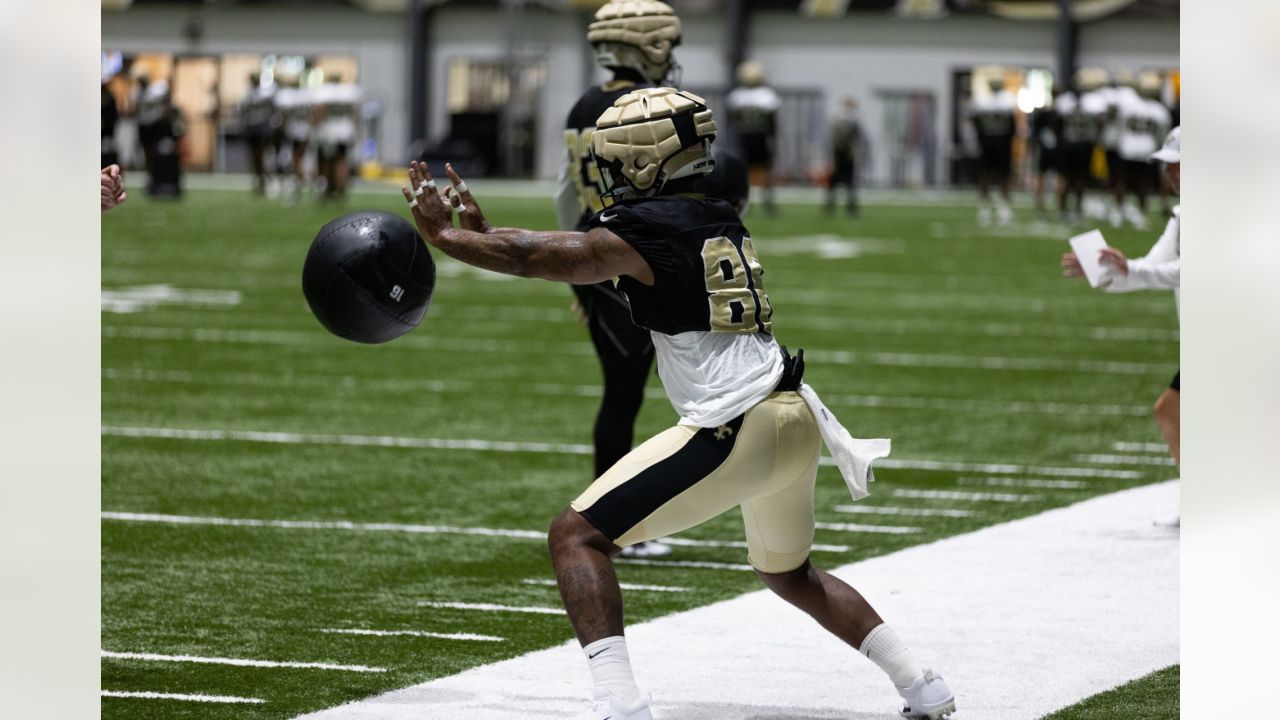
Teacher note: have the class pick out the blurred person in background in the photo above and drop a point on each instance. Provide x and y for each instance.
(848, 147)
(994, 126)
(112, 181)
(1144, 121)
(1046, 136)
(1119, 95)
(1159, 269)
(149, 109)
(753, 112)
(1081, 112)
(634, 42)
(110, 117)
(258, 119)
(294, 103)
(336, 113)
(162, 130)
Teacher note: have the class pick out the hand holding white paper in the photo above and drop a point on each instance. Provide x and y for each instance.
(1087, 247)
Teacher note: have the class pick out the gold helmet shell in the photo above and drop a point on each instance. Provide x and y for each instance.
(651, 136)
(751, 73)
(649, 27)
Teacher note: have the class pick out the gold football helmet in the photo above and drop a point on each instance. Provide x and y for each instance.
(636, 34)
(650, 137)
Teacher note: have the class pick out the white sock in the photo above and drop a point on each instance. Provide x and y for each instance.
(611, 668)
(884, 648)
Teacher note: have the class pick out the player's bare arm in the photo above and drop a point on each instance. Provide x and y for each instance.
(573, 257)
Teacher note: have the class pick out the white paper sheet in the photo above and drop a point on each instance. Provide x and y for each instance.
(1087, 247)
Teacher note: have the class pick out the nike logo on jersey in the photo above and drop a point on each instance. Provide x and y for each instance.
(607, 218)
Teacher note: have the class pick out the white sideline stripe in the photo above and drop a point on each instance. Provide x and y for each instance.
(180, 696)
(1125, 460)
(1146, 447)
(1026, 483)
(595, 391)
(905, 511)
(238, 662)
(405, 528)
(413, 633)
(1001, 468)
(1086, 594)
(490, 607)
(548, 582)
(854, 527)
(568, 449)
(700, 564)
(362, 440)
(962, 495)
(508, 347)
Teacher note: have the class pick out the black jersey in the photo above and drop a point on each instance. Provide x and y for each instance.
(707, 275)
(577, 137)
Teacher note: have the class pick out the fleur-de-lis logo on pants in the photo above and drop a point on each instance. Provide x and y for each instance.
(723, 432)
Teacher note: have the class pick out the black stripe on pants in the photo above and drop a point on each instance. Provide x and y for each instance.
(625, 506)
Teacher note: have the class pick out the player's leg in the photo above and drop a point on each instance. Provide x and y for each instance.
(625, 352)
(341, 171)
(675, 480)
(1168, 412)
(780, 527)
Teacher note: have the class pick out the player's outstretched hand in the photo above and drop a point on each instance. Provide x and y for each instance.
(1115, 258)
(113, 193)
(461, 200)
(431, 213)
(1071, 265)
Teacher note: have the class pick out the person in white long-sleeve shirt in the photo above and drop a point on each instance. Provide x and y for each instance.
(1159, 269)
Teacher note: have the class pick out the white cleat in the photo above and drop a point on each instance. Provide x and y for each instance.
(647, 549)
(610, 708)
(984, 216)
(928, 697)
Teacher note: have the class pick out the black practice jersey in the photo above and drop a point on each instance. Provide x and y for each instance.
(707, 275)
(577, 137)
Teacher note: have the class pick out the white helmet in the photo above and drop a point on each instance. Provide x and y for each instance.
(636, 34)
(650, 137)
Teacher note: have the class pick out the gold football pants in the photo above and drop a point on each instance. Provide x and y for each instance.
(764, 461)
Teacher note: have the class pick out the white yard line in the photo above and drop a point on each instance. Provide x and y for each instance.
(238, 662)
(1022, 618)
(413, 633)
(1145, 447)
(874, 529)
(903, 511)
(695, 564)
(516, 347)
(144, 695)
(1125, 460)
(1023, 482)
(563, 448)
(549, 582)
(962, 495)
(537, 535)
(490, 607)
(595, 391)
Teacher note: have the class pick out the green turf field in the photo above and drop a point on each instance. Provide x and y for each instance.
(962, 344)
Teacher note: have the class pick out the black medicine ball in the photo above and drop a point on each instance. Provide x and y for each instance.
(368, 277)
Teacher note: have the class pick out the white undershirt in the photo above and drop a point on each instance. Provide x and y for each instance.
(713, 377)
